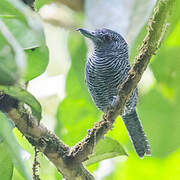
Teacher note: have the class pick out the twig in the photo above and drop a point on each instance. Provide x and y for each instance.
(36, 165)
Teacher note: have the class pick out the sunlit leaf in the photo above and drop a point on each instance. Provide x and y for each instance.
(39, 3)
(8, 68)
(105, 149)
(6, 164)
(160, 118)
(148, 168)
(26, 28)
(134, 169)
(7, 9)
(37, 61)
(27, 36)
(19, 55)
(24, 96)
(37, 58)
(17, 9)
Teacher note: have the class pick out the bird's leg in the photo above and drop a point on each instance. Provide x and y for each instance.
(113, 101)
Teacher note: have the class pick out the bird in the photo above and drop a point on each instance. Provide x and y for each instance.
(107, 68)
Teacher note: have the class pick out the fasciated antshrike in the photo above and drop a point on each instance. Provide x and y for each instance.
(105, 70)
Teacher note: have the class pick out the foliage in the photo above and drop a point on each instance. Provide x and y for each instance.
(25, 97)
(11, 146)
(24, 56)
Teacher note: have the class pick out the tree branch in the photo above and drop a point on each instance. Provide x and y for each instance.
(69, 160)
(49, 144)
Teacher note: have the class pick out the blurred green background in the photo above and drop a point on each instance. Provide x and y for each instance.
(59, 86)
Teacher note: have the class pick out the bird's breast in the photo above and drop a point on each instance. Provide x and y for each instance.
(103, 75)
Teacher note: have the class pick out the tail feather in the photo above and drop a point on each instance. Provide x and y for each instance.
(136, 133)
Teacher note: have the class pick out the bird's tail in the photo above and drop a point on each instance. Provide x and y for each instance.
(136, 133)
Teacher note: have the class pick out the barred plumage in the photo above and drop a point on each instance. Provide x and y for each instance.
(105, 70)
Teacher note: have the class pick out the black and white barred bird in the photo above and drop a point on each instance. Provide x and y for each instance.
(105, 70)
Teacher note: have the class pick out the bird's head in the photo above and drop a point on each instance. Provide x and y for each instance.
(105, 38)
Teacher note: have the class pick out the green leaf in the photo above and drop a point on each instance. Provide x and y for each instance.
(105, 149)
(6, 164)
(27, 36)
(18, 10)
(12, 146)
(37, 61)
(149, 168)
(8, 68)
(37, 57)
(39, 3)
(19, 55)
(26, 28)
(160, 107)
(169, 73)
(76, 113)
(24, 96)
(8, 10)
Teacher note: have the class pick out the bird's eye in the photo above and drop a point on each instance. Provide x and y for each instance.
(107, 37)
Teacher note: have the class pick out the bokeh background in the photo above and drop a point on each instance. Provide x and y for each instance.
(68, 109)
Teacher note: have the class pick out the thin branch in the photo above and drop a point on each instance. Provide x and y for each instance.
(36, 165)
(69, 160)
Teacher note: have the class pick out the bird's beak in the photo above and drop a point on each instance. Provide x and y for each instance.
(86, 33)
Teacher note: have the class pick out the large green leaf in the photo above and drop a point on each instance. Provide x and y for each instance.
(26, 28)
(8, 68)
(17, 9)
(7, 9)
(160, 119)
(105, 149)
(37, 58)
(169, 73)
(148, 168)
(37, 61)
(12, 146)
(26, 35)
(6, 164)
(12, 48)
(24, 96)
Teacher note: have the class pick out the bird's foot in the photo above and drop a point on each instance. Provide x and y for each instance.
(113, 101)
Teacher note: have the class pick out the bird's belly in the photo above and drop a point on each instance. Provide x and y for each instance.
(102, 96)
(102, 88)
(103, 78)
